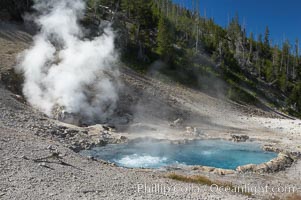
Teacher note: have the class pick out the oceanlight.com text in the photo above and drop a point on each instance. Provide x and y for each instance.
(166, 189)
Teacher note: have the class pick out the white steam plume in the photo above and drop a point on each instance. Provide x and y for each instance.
(62, 68)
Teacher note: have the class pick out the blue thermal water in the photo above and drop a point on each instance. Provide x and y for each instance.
(156, 154)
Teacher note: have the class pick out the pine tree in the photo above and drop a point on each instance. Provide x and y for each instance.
(266, 44)
(296, 63)
(259, 55)
(234, 32)
(294, 99)
(165, 39)
(284, 66)
(266, 37)
(251, 46)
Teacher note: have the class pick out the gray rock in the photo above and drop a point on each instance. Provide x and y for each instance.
(62, 115)
(246, 168)
(178, 122)
(239, 138)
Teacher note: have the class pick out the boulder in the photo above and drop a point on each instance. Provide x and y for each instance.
(59, 113)
(223, 171)
(193, 131)
(275, 165)
(239, 138)
(271, 148)
(207, 169)
(262, 168)
(246, 168)
(123, 138)
(95, 129)
(178, 122)
(189, 129)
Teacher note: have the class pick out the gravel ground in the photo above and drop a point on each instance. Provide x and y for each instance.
(38, 158)
(29, 169)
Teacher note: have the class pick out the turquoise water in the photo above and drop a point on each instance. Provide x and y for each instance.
(156, 154)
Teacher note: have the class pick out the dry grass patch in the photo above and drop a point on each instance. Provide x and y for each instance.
(294, 196)
(206, 181)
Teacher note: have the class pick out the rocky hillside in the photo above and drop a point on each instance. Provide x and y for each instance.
(222, 62)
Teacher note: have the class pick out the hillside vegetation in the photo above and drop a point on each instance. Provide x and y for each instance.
(181, 45)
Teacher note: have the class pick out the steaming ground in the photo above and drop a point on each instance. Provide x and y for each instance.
(146, 108)
(63, 70)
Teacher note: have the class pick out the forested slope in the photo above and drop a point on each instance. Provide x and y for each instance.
(172, 42)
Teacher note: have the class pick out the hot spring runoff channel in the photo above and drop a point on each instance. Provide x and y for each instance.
(157, 154)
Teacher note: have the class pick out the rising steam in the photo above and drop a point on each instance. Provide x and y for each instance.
(65, 69)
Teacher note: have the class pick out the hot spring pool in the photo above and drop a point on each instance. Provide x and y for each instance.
(156, 154)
